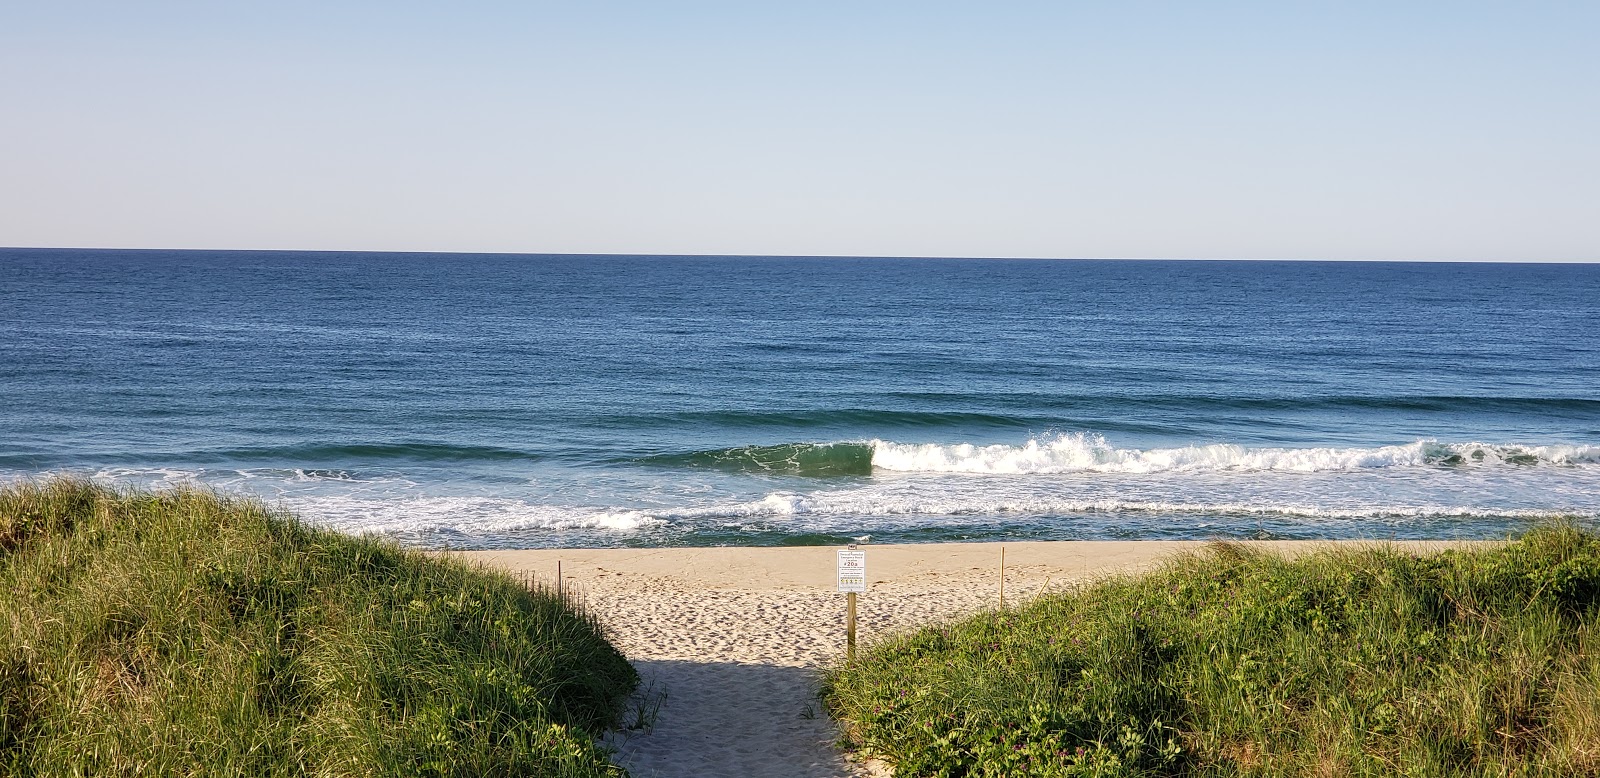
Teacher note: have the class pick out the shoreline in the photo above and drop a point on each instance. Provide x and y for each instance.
(728, 640)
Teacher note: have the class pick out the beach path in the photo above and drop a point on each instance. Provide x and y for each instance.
(728, 641)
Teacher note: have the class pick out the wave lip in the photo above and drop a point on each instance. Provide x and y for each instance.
(1081, 452)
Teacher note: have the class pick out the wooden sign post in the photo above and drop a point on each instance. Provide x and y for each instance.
(852, 579)
(850, 625)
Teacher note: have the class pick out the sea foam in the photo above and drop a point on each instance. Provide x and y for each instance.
(1082, 452)
(780, 505)
(461, 514)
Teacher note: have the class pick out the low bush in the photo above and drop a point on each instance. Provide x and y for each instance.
(187, 633)
(1236, 663)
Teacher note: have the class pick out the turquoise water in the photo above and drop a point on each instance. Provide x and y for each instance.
(496, 400)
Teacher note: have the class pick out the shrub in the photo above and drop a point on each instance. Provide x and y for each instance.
(187, 633)
(1229, 662)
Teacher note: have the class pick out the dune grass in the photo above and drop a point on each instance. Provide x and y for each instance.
(187, 633)
(1232, 663)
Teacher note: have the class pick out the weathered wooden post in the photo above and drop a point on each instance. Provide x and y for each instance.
(852, 570)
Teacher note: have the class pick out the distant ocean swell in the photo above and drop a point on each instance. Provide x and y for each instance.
(1034, 406)
(1086, 453)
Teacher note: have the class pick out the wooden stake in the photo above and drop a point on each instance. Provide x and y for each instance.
(1002, 578)
(850, 625)
(559, 583)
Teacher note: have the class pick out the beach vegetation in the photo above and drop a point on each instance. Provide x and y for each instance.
(1234, 662)
(183, 632)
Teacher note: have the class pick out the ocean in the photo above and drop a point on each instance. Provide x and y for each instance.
(492, 401)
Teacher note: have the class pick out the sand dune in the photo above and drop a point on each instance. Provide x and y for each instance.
(728, 639)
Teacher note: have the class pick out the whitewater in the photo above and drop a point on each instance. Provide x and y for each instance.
(1084, 452)
(887, 490)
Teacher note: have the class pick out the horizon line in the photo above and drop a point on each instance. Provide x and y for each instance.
(726, 255)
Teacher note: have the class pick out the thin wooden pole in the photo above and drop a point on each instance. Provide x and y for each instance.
(1002, 578)
(560, 585)
(850, 625)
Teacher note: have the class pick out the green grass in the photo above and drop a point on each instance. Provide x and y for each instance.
(186, 633)
(1228, 663)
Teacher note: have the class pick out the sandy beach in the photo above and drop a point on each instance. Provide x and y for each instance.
(728, 640)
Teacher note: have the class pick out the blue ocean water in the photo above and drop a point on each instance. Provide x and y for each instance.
(493, 400)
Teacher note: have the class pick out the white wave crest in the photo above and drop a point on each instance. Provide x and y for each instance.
(168, 476)
(1081, 452)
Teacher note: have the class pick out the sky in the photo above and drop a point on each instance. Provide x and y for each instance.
(1289, 130)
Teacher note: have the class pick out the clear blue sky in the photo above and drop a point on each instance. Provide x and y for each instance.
(1340, 130)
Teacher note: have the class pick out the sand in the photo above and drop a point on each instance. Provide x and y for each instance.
(728, 640)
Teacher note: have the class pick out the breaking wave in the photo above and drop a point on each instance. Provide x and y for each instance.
(1091, 453)
(1081, 452)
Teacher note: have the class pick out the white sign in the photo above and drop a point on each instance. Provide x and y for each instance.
(852, 571)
